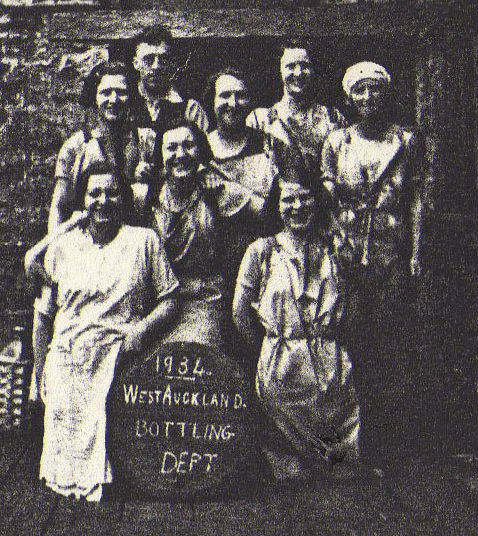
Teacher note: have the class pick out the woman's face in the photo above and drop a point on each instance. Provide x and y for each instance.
(231, 101)
(112, 97)
(103, 201)
(368, 97)
(296, 71)
(296, 207)
(180, 154)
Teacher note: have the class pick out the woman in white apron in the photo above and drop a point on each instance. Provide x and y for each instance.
(110, 285)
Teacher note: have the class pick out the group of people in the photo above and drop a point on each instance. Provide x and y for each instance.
(278, 235)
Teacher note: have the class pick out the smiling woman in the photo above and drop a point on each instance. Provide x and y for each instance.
(296, 119)
(112, 96)
(110, 285)
(374, 170)
(241, 156)
(289, 284)
(108, 93)
(103, 206)
(188, 214)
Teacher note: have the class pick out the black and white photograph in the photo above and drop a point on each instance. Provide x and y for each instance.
(239, 247)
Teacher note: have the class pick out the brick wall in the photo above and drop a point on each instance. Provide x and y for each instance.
(39, 104)
(39, 110)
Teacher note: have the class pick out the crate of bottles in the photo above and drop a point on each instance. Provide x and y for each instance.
(15, 377)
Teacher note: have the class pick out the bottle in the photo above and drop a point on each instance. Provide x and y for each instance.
(14, 367)
(14, 350)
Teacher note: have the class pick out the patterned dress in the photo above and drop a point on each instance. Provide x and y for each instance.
(190, 234)
(304, 374)
(99, 289)
(375, 184)
(303, 130)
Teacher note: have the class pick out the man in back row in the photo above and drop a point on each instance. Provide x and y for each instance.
(159, 103)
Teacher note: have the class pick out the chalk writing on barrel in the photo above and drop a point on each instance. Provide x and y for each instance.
(186, 462)
(133, 394)
(182, 421)
(184, 368)
(182, 429)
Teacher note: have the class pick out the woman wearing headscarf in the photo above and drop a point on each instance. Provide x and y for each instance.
(373, 169)
(107, 287)
(288, 305)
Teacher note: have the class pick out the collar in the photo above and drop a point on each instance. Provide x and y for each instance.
(293, 248)
(101, 133)
(226, 151)
(316, 249)
(172, 95)
(99, 130)
(88, 237)
(288, 105)
(167, 201)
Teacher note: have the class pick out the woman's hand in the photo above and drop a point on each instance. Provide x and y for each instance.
(143, 172)
(134, 335)
(213, 183)
(137, 333)
(75, 219)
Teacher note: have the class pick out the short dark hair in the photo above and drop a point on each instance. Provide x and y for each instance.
(104, 168)
(99, 168)
(92, 81)
(96, 168)
(297, 42)
(293, 168)
(205, 153)
(155, 35)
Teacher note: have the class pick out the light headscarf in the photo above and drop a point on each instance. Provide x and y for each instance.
(363, 71)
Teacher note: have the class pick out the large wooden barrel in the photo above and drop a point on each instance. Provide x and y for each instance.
(180, 422)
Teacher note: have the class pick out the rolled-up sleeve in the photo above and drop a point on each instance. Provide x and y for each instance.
(249, 275)
(68, 155)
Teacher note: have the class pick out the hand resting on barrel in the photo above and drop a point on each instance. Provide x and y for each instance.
(136, 334)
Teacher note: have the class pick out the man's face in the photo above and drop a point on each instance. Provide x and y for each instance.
(112, 97)
(231, 101)
(155, 65)
(296, 71)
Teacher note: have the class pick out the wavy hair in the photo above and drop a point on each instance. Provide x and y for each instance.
(92, 81)
(210, 87)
